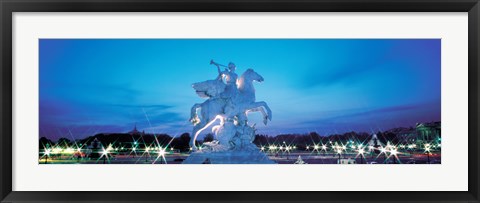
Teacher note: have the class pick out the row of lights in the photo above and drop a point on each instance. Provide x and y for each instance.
(392, 149)
(109, 149)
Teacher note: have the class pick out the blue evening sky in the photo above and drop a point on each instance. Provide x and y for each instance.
(89, 86)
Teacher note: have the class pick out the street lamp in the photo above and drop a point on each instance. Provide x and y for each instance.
(79, 151)
(361, 151)
(339, 152)
(427, 150)
(287, 150)
(161, 154)
(394, 153)
(46, 153)
(371, 150)
(104, 155)
(384, 151)
(134, 151)
(147, 153)
(281, 151)
(324, 149)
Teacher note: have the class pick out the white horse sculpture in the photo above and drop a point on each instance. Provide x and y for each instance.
(226, 108)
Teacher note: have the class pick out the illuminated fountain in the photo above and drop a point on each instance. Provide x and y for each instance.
(229, 100)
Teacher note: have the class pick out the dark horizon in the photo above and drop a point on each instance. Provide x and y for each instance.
(201, 137)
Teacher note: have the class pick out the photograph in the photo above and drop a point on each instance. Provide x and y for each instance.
(239, 101)
(251, 101)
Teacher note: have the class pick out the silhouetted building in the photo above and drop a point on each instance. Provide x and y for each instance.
(94, 149)
(134, 131)
(407, 135)
(421, 134)
(428, 132)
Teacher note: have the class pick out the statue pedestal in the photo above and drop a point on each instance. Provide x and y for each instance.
(228, 157)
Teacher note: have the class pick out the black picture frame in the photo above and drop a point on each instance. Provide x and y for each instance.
(7, 7)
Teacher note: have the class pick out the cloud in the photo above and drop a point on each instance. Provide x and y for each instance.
(367, 119)
(390, 109)
(156, 106)
(350, 72)
(72, 132)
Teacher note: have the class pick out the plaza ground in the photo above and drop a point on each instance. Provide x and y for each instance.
(308, 157)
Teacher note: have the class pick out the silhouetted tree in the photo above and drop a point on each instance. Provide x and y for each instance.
(64, 142)
(182, 142)
(208, 138)
(45, 142)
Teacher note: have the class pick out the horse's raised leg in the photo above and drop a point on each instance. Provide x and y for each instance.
(262, 110)
(262, 104)
(193, 113)
(265, 105)
(196, 131)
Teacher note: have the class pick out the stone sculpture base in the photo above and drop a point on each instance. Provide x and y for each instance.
(228, 157)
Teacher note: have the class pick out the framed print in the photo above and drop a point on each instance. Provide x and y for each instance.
(239, 101)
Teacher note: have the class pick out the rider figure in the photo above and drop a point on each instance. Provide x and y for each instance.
(230, 79)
